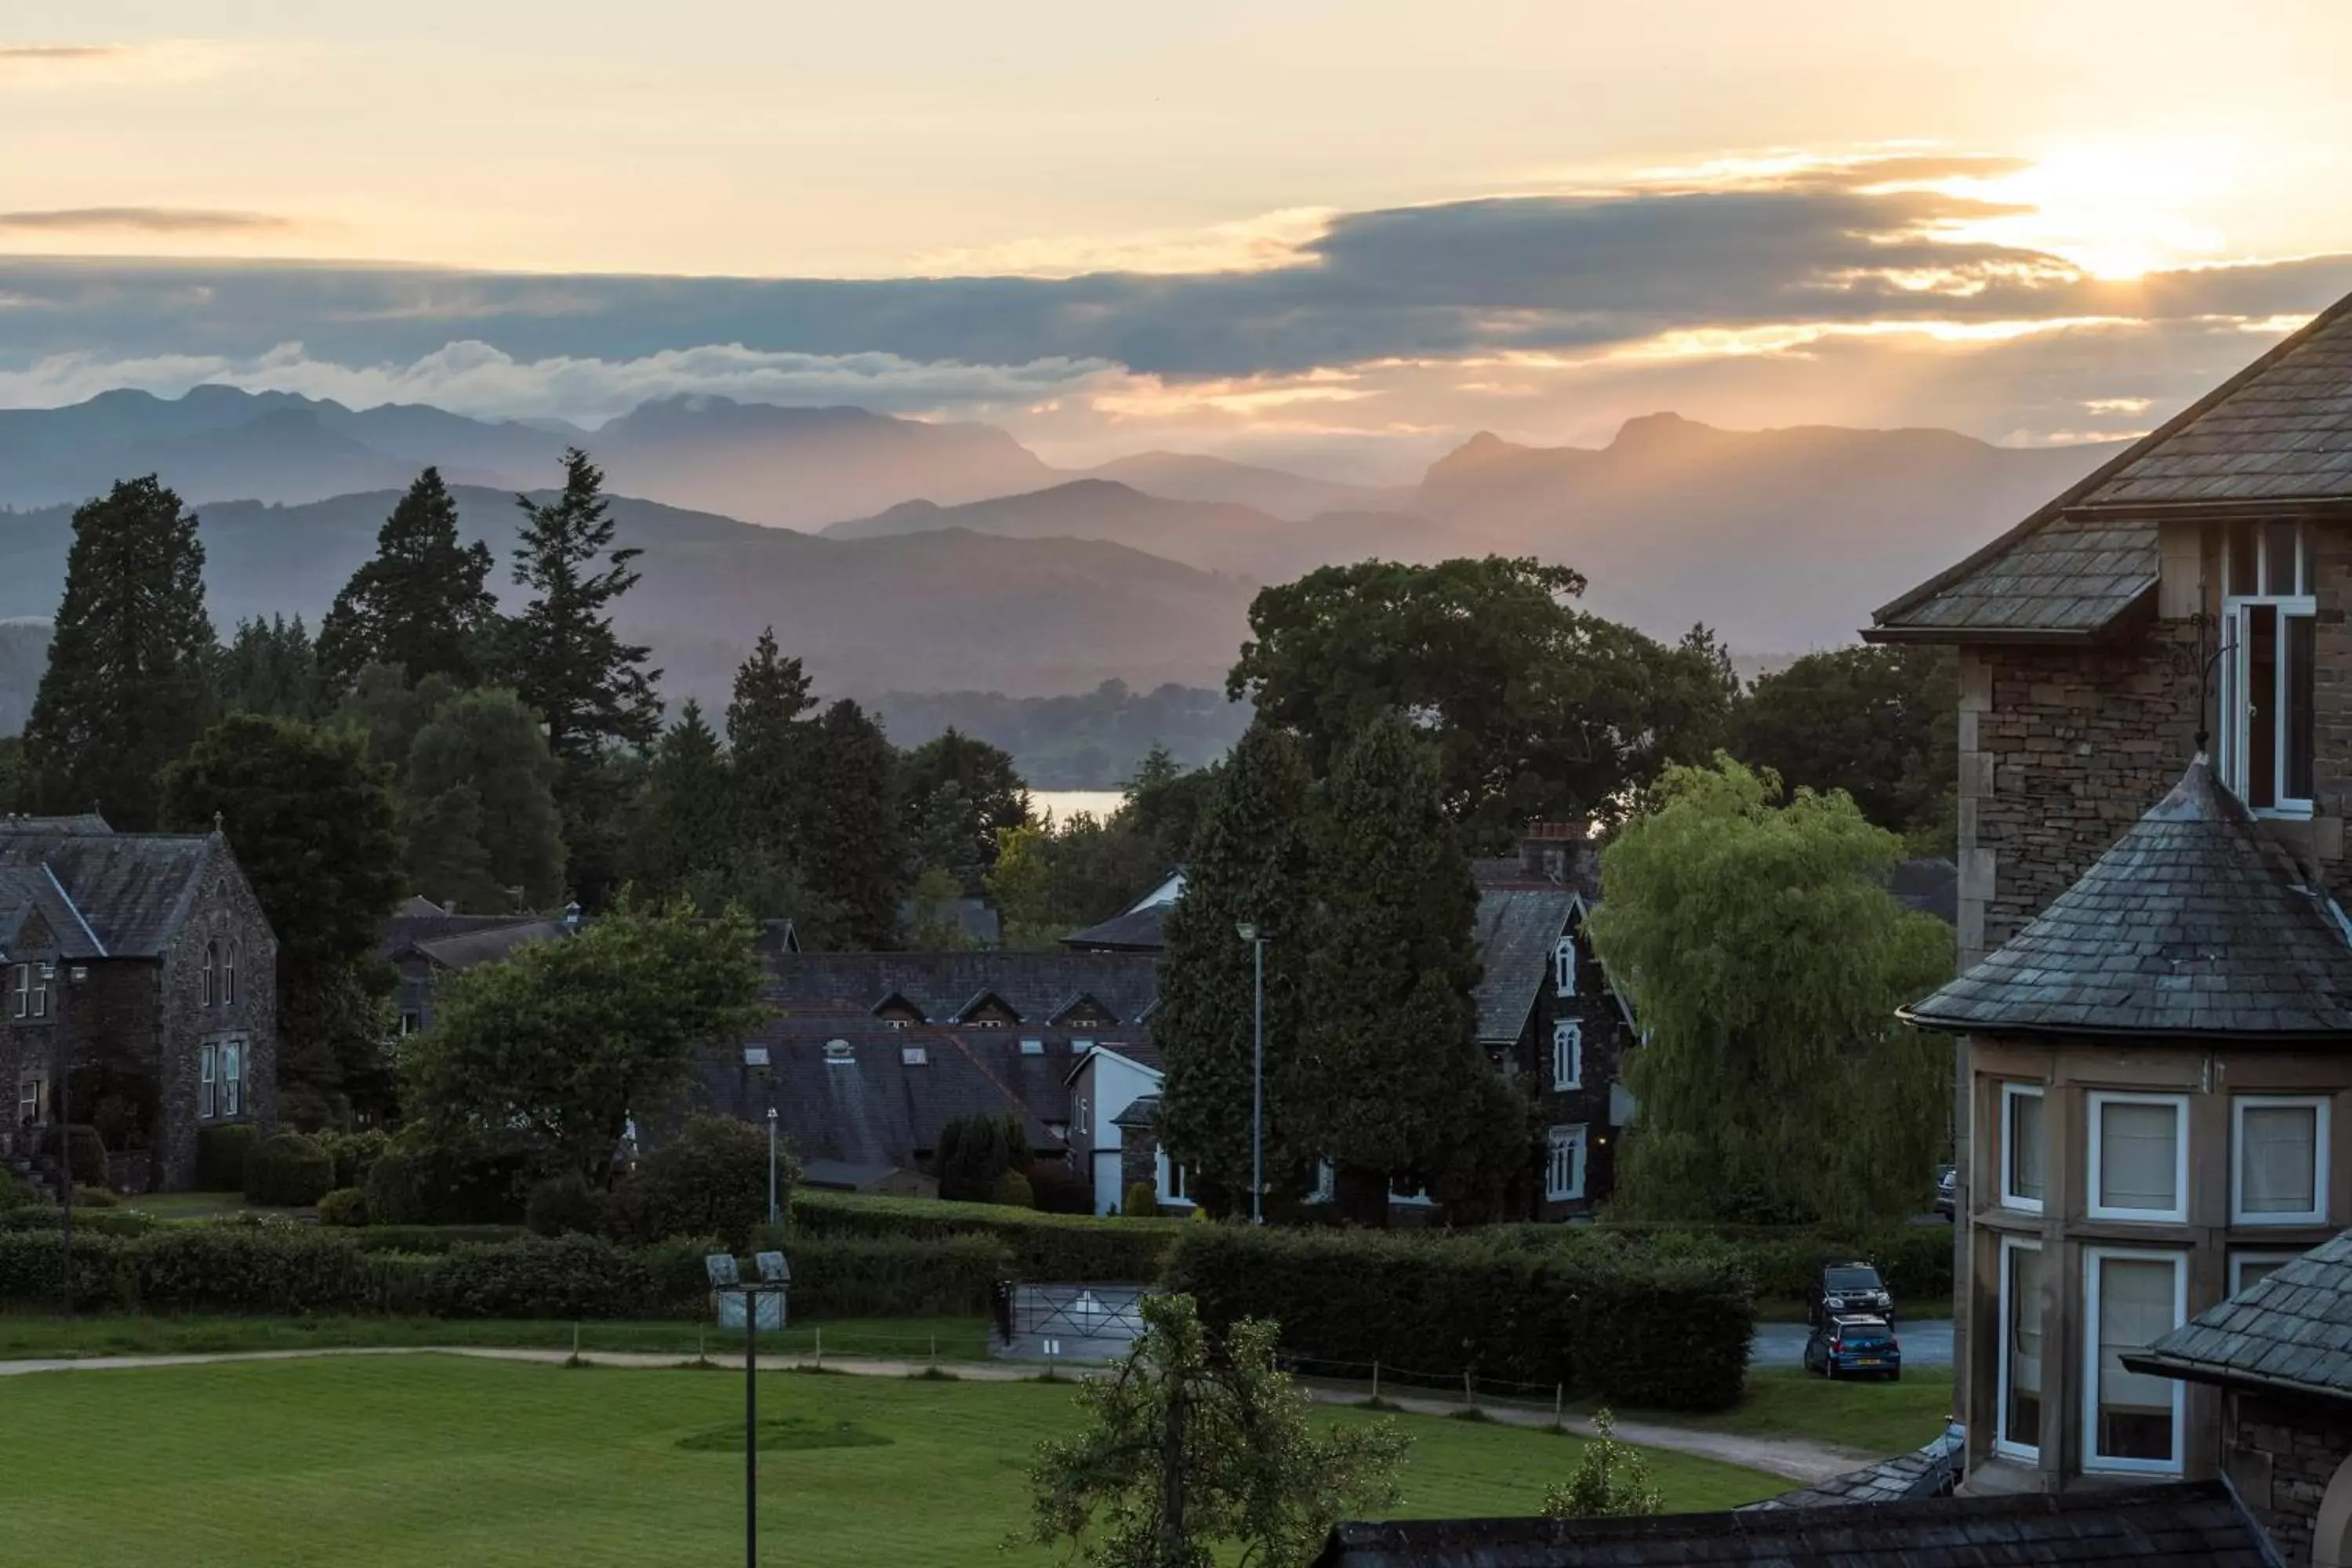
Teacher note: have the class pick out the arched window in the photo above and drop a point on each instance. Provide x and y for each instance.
(229, 976)
(209, 976)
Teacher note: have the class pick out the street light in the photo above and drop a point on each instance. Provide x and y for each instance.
(61, 1102)
(773, 1219)
(1247, 930)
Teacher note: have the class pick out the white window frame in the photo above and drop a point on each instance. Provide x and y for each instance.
(2237, 652)
(1563, 966)
(44, 975)
(2093, 1461)
(28, 1099)
(2003, 1442)
(20, 991)
(207, 1071)
(1033, 1047)
(1568, 1054)
(2316, 1103)
(228, 973)
(2239, 1259)
(914, 1055)
(232, 1078)
(206, 974)
(2095, 1103)
(1169, 1180)
(1567, 1142)
(2010, 1093)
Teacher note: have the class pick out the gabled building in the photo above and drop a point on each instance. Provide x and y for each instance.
(141, 965)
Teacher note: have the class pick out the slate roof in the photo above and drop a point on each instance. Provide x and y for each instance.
(36, 919)
(1140, 1114)
(2288, 1332)
(2190, 925)
(1929, 887)
(2279, 432)
(491, 944)
(131, 890)
(1516, 930)
(1143, 930)
(2196, 1524)
(407, 932)
(848, 987)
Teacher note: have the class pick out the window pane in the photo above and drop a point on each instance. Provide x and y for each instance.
(2279, 559)
(2021, 1418)
(2252, 1271)
(2278, 1158)
(2261, 705)
(2135, 1310)
(2242, 578)
(2138, 1156)
(2025, 1146)
(2299, 653)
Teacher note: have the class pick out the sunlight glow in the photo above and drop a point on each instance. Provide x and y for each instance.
(2119, 212)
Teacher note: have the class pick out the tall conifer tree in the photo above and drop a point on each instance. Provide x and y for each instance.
(423, 603)
(769, 737)
(1249, 864)
(854, 851)
(130, 682)
(589, 688)
(687, 840)
(480, 801)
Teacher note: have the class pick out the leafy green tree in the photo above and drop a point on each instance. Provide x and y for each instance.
(853, 850)
(769, 733)
(1612, 1479)
(1251, 862)
(932, 926)
(709, 1177)
(1880, 723)
(483, 829)
(687, 840)
(1765, 958)
(1535, 709)
(1021, 885)
(1387, 1079)
(976, 1151)
(422, 604)
(389, 711)
(130, 680)
(311, 821)
(1200, 1441)
(548, 1055)
(589, 688)
(270, 667)
(960, 794)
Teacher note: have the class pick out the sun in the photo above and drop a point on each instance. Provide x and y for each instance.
(2117, 211)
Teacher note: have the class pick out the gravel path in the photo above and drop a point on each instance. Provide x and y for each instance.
(1798, 1459)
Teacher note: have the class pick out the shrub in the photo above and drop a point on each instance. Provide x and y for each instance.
(1013, 1191)
(902, 1279)
(415, 1182)
(14, 1194)
(1059, 1189)
(91, 1221)
(276, 1268)
(710, 1179)
(354, 1154)
(566, 1276)
(32, 1264)
(94, 1198)
(343, 1206)
(87, 1153)
(974, 1150)
(1601, 1317)
(1142, 1201)
(1045, 1248)
(431, 1240)
(290, 1171)
(562, 1204)
(220, 1156)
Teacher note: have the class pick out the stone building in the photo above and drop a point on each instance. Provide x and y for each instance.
(145, 961)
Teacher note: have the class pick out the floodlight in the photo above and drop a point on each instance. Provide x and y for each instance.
(773, 1269)
(721, 1266)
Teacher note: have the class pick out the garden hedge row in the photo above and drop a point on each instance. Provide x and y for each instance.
(290, 1271)
(1786, 1264)
(1636, 1329)
(1044, 1249)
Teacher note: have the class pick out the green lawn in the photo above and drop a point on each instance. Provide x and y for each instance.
(23, 1335)
(432, 1460)
(1873, 1417)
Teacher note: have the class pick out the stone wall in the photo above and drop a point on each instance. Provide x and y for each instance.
(224, 909)
(2281, 1455)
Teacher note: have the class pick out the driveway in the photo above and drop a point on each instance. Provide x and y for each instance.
(1926, 1341)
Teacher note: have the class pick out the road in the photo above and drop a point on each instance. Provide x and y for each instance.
(1926, 1341)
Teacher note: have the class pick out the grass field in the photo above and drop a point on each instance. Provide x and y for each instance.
(427, 1460)
(1874, 1418)
(28, 1335)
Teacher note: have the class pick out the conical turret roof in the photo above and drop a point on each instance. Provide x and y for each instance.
(2191, 925)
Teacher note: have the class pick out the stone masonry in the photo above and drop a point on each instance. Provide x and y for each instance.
(2281, 1455)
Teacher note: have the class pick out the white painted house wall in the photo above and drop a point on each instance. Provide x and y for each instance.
(1106, 1084)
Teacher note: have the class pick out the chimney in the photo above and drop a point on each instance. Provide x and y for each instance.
(1556, 852)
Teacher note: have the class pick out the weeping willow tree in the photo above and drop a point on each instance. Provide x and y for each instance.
(1765, 958)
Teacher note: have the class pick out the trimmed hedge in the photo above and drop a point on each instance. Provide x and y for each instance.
(1638, 1330)
(281, 1271)
(430, 1239)
(87, 1222)
(897, 1278)
(31, 1263)
(220, 1156)
(288, 1170)
(354, 1154)
(1785, 1264)
(1045, 1248)
(344, 1207)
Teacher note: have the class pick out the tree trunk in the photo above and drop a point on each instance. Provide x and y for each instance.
(1171, 1478)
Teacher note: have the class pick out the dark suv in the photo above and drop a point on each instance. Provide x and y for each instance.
(1850, 1287)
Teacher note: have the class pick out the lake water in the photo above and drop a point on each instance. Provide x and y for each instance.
(1066, 803)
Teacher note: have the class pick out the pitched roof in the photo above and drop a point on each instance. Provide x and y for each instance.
(1140, 1113)
(2196, 1525)
(2290, 1331)
(129, 890)
(2191, 924)
(1928, 886)
(2279, 432)
(408, 930)
(848, 987)
(1516, 928)
(1143, 930)
(489, 945)
(36, 920)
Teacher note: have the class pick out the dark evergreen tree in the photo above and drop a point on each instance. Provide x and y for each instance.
(686, 832)
(1387, 1080)
(768, 736)
(589, 688)
(854, 851)
(422, 604)
(310, 820)
(130, 679)
(1250, 865)
(988, 797)
(479, 803)
(951, 834)
(271, 669)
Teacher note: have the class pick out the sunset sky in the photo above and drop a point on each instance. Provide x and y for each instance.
(1343, 235)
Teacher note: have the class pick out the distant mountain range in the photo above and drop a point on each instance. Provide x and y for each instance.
(1781, 539)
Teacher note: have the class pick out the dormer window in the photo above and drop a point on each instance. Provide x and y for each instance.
(1563, 967)
(2269, 621)
(895, 1012)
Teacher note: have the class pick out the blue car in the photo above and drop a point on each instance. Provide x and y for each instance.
(1854, 1346)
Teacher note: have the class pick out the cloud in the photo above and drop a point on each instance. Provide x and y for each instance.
(112, 64)
(147, 220)
(52, 53)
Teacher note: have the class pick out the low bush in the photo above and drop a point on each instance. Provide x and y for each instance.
(1046, 1248)
(430, 1240)
(951, 1278)
(1786, 1264)
(288, 1170)
(1013, 1192)
(279, 1269)
(87, 1222)
(220, 1156)
(87, 1153)
(32, 1265)
(414, 1181)
(709, 1178)
(577, 1276)
(1061, 1190)
(345, 1207)
(1603, 1318)
(354, 1154)
(564, 1203)
(14, 1194)
(95, 1198)
(1142, 1200)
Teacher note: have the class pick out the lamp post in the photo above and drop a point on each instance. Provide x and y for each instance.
(61, 1101)
(1249, 933)
(773, 1219)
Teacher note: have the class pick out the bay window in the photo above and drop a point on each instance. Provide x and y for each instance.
(2022, 1150)
(2019, 1430)
(2278, 1166)
(2140, 1157)
(2268, 617)
(2132, 1419)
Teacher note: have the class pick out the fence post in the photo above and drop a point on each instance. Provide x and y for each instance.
(1467, 1396)
(1559, 1396)
(935, 1350)
(820, 1347)
(1376, 1381)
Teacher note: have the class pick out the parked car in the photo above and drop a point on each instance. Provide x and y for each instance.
(1850, 1287)
(1946, 1192)
(1854, 1345)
